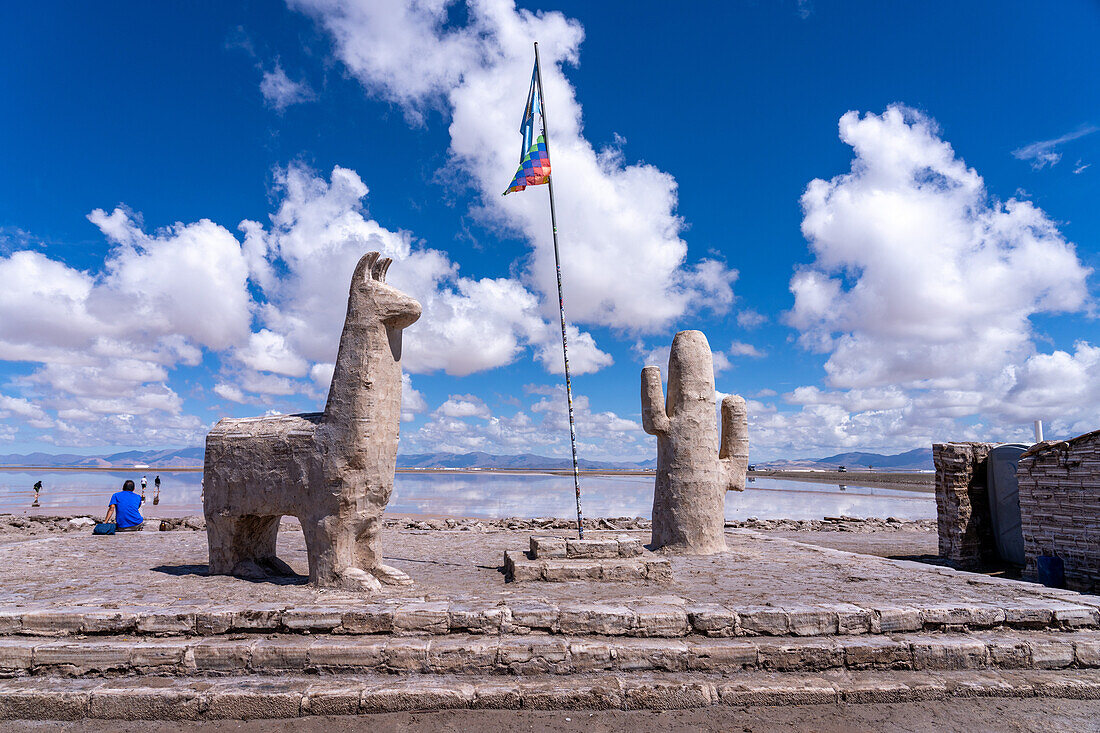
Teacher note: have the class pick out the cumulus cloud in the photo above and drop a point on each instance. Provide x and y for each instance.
(943, 278)
(464, 423)
(467, 405)
(268, 352)
(230, 392)
(921, 293)
(720, 362)
(265, 304)
(35, 416)
(280, 91)
(321, 228)
(412, 401)
(105, 341)
(740, 348)
(624, 262)
(584, 356)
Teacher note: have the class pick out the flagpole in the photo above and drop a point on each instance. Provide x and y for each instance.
(561, 302)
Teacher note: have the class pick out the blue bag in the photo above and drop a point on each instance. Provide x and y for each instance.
(105, 528)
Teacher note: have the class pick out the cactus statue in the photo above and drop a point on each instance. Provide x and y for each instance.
(695, 465)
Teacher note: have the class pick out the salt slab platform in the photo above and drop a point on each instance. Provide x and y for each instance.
(561, 559)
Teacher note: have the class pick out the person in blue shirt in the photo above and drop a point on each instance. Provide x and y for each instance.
(124, 509)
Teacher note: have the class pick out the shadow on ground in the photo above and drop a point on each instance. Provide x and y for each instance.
(180, 571)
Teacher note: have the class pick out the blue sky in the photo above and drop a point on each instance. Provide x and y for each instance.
(882, 216)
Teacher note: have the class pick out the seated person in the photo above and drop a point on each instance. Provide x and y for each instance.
(123, 509)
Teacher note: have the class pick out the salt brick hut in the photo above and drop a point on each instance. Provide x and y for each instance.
(1060, 506)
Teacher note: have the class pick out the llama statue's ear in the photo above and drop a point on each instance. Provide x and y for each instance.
(366, 263)
(379, 269)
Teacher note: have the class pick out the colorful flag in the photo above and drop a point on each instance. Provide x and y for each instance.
(534, 161)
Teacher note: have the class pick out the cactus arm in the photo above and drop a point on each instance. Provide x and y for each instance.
(733, 451)
(654, 418)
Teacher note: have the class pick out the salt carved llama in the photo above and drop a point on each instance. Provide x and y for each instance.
(694, 467)
(332, 470)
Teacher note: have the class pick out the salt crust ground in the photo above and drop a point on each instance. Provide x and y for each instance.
(160, 569)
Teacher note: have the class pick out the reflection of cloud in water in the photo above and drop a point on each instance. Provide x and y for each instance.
(500, 495)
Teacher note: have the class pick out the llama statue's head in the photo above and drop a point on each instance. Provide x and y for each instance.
(368, 364)
(371, 297)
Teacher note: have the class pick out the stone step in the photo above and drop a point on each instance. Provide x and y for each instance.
(649, 568)
(667, 616)
(165, 698)
(551, 547)
(542, 654)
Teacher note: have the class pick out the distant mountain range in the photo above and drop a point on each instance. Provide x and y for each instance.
(192, 457)
(914, 460)
(168, 458)
(919, 459)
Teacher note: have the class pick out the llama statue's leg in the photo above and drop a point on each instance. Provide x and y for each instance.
(262, 534)
(367, 538)
(244, 546)
(331, 557)
(221, 532)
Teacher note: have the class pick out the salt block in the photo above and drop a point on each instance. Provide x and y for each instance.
(591, 549)
(544, 547)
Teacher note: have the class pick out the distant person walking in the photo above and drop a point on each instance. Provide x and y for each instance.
(124, 509)
(156, 490)
(144, 483)
(37, 488)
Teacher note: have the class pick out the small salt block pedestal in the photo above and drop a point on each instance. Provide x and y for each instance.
(559, 559)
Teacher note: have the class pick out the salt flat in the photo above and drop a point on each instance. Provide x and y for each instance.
(167, 569)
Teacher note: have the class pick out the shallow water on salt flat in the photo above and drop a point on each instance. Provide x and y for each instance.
(484, 494)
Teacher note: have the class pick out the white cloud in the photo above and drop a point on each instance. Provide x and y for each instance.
(584, 356)
(624, 263)
(412, 401)
(188, 280)
(321, 374)
(749, 319)
(280, 91)
(230, 392)
(943, 278)
(720, 362)
(466, 405)
(740, 348)
(654, 357)
(268, 352)
(104, 342)
(921, 293)
(464, 423)
(35, 416)
(1044, 152)
(107, 342)
(321, 228)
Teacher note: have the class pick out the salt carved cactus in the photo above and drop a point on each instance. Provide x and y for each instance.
(332, 470)
(695, 466)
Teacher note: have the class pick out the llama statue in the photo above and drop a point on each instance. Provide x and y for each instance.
(695, 467)
(333, 470)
